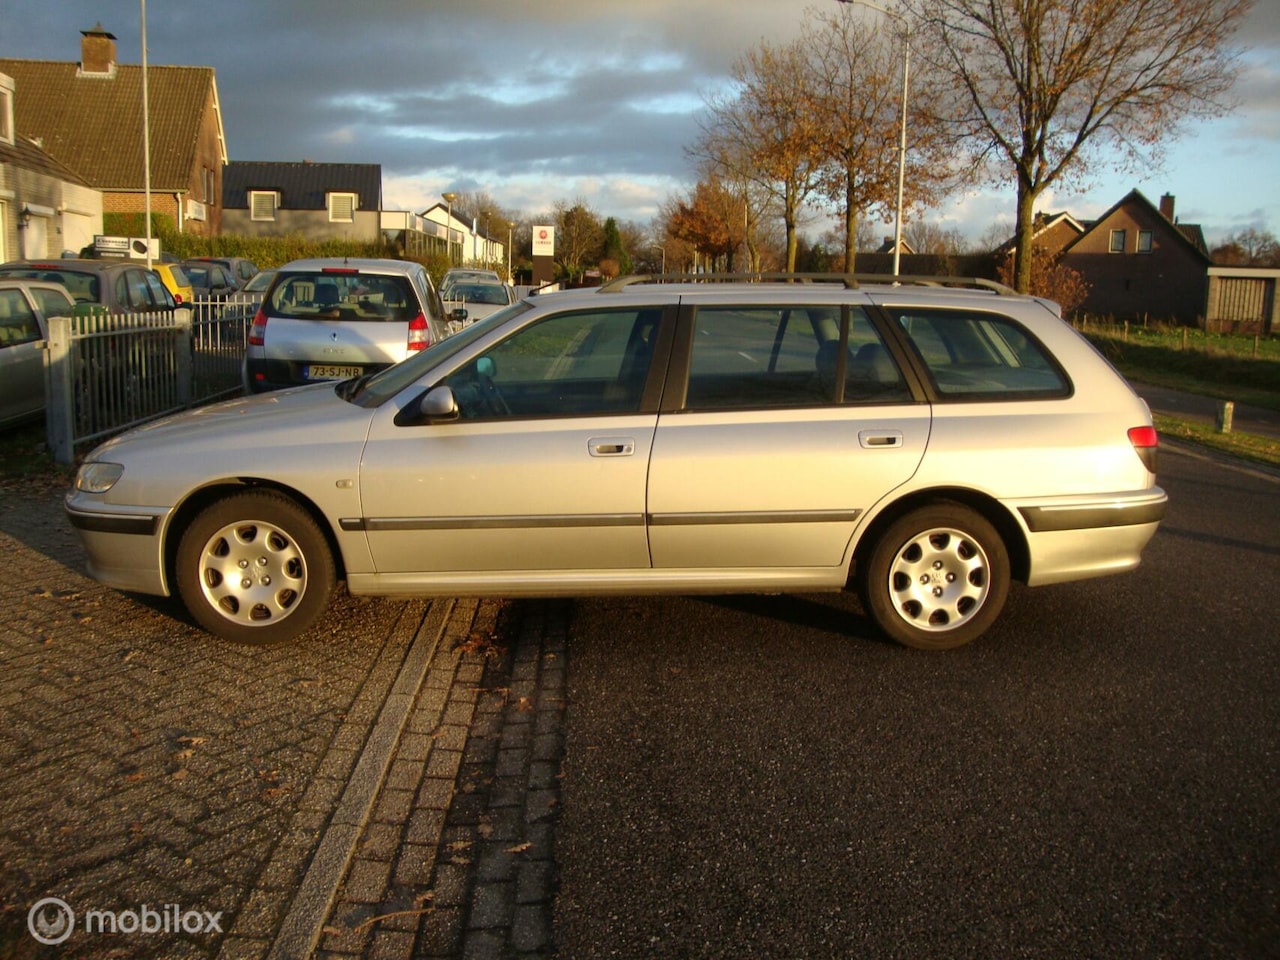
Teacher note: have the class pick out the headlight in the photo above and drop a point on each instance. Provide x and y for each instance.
(98, 477)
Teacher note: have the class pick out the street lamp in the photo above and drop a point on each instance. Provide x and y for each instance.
(511, 226)
(448, 226)
(902, 139)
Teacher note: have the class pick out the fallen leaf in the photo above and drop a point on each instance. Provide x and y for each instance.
(520, 847)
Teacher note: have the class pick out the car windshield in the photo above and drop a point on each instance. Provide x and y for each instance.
(387, 383)
(260, 282)
(481, 293)
(348, 295)
(82, 286)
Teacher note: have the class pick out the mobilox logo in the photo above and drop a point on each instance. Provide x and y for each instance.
(51, 920)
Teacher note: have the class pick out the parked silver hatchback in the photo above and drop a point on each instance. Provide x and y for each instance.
(335, 318)
(925, 444)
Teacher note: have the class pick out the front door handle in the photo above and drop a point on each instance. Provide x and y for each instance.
(611, 446)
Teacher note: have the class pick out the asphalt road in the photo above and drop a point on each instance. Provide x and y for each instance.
(1097, 777)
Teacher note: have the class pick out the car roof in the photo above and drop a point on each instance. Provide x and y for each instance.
(73, 265)
(361, 264)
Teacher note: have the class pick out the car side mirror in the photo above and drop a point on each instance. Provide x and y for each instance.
(458, 314)
(439, 405)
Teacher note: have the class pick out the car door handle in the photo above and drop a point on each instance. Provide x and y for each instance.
(611, 446)
(875, 439)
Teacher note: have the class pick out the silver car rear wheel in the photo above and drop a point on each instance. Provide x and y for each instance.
(937, 577)
(255, 568)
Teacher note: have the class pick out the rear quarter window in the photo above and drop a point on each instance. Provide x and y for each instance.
(982, 356)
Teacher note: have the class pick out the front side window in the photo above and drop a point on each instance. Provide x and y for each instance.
(982, 356)
(571, 364)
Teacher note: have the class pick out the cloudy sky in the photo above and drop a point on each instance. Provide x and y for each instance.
(576, 99)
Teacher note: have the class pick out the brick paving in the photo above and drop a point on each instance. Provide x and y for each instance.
(385, 787)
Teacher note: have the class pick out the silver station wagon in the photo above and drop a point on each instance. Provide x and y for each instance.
(924, 444)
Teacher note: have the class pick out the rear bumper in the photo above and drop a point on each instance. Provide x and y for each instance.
(1072, 538)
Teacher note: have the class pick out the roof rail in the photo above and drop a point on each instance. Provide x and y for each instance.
(851, 281)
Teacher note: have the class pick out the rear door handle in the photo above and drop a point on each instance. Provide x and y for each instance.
(611, 446)
(876, 439)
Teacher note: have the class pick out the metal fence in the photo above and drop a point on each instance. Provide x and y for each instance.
(105, 373)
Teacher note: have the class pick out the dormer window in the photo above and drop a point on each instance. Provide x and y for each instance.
(342, 207)
(262, 204)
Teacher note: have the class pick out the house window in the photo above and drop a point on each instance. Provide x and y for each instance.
(1144, 241)
(342, 207)
(1117, 241)
(6, 110)
(262, 204)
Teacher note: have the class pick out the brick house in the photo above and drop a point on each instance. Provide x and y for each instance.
(1140, 262)
(89, 117)
(44, 207)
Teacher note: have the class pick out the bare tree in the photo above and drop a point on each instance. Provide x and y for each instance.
(1042, 86)
(769, 132)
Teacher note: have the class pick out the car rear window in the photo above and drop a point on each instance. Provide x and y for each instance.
(82, 286)
(342, 296)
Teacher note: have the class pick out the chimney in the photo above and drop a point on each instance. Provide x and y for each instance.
(1166, 207)
(97, 53)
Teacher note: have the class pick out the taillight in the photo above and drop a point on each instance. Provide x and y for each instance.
(258, 330)
(177, 298)
(419, 334)
(1146, 444)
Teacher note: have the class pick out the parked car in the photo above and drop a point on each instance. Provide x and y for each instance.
(175, 281)
(336, 318)
(461, 274)
(25, 306)
(240, 269)
(118, 286)
(210, 281)
(925, 444)
(472, 300)
(244, 303)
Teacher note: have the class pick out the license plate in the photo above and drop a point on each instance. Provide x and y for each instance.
(328, 371)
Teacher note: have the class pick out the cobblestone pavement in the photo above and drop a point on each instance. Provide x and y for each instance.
(385, 787)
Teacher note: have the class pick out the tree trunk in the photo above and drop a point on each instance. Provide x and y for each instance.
(850, 227)
(1025, 236)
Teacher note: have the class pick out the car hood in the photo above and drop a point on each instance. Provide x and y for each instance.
(305, 438)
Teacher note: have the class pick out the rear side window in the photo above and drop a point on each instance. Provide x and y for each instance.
(789, 356)
(17, 322)
(343, 296)
(973, 355)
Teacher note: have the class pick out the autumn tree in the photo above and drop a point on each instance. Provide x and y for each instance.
(1050, 278)
(1045, 87)
(711, 219)
(856, 69)
(768, 132)
(579, 237)
(1248, 248)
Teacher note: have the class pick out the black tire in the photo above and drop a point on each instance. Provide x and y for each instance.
(284, 566)
(936, 578)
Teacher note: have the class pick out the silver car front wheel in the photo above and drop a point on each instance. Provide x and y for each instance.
(936, 578)
(255, 568)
